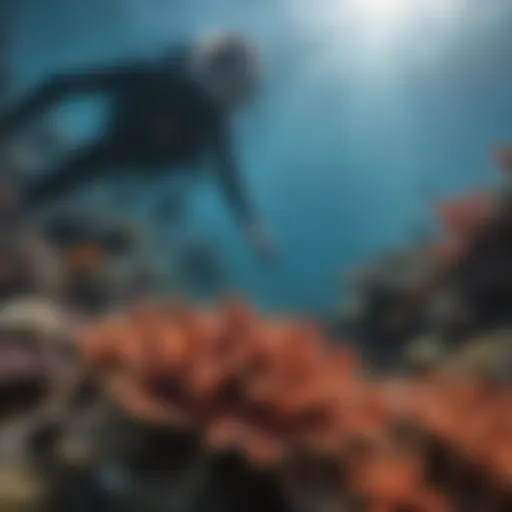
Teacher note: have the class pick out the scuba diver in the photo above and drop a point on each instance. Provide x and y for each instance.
(167, 112)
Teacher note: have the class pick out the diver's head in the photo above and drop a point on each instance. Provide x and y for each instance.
(228, 66)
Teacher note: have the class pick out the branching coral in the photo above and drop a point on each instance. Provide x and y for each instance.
(471, 418)
(262, 387)
(464, 219)
(479, 267)
(276, 391)
(477, 250)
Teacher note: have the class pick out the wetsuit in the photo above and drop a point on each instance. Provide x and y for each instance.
(160, 117)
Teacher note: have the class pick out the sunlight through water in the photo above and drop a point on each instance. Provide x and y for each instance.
(380, 27)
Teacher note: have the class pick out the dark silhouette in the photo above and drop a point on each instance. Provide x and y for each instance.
(165, 113)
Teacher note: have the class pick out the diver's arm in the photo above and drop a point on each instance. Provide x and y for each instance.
(230, 181)
(236, 195)
(59, 86)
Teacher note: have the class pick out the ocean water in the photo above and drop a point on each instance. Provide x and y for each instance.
(369, 111)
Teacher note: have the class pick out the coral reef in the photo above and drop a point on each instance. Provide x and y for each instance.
(293, 404)
(246, 383)
(461, 219)
(163, 402)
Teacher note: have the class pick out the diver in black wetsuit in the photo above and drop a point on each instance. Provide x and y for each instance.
(164, 113)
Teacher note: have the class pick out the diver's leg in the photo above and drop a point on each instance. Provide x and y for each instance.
(86, 166)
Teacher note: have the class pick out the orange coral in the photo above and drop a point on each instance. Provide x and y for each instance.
(473, 421)
(270, 382)
(275, 389)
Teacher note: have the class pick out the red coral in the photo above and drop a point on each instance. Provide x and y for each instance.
(473, 422)
(275, 389)
(264, 386)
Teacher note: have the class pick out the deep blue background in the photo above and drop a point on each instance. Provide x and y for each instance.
(362, 119)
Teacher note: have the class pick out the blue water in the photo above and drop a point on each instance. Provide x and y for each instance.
(363, 110)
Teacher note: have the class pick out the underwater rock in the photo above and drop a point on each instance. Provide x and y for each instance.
(39, 317)
(487, 355)
(33, 346)
(98, 260)
(387, 303)
(22, 487)
(28, 265)
(426, 350)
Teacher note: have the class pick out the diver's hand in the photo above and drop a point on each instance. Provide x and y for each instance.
(262, 242)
